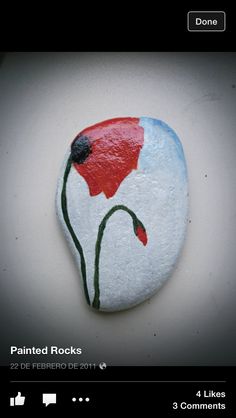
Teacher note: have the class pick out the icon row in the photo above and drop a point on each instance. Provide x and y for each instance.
(47, 399)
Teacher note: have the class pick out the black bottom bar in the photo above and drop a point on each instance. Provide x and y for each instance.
(171, 391)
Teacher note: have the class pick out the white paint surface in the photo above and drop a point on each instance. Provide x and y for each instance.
(46, 99)
(157, 193)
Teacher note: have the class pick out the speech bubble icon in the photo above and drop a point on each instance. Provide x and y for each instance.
(49, 398)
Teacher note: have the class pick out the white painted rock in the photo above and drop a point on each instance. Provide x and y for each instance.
(122, 201)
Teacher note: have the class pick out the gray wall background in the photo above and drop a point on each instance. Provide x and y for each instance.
(45, 100)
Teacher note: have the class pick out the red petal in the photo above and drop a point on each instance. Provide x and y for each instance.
(141, 234)
(116, 145)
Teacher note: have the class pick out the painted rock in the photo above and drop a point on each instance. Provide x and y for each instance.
(122, 201)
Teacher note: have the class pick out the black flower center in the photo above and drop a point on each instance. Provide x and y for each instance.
(80, 149)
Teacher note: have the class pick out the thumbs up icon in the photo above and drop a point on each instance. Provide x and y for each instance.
(18, 400)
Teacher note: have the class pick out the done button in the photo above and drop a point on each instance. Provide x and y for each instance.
(206, 21)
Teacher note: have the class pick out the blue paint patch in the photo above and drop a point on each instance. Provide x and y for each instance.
(161, 146)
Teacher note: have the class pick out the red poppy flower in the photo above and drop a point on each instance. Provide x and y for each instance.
(105, 153)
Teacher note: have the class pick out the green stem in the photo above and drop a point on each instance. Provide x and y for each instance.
(70, 229)
(102, 226)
